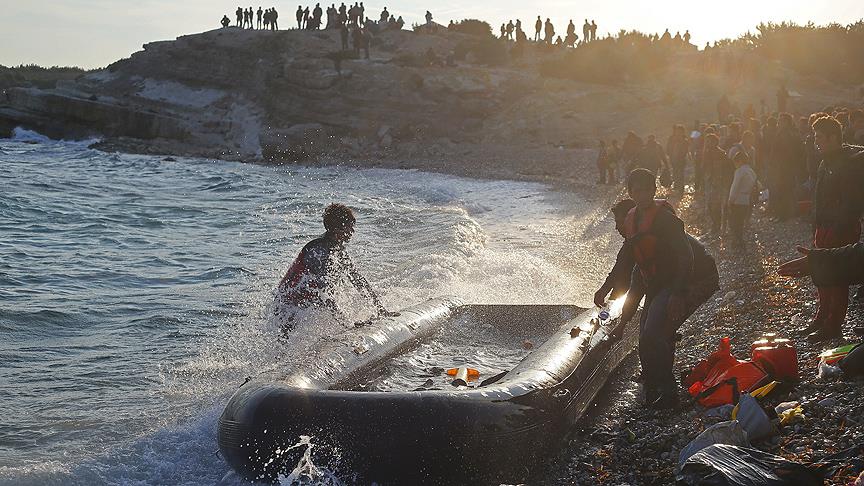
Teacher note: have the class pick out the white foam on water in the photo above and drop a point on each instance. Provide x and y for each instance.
(419, 236)
(24, 135)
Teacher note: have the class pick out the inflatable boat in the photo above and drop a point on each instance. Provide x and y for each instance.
(493, 430)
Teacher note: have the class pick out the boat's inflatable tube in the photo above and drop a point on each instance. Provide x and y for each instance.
(495, 432)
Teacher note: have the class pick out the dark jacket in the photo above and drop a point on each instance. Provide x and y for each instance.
(787, 162)
(838, 200)
(837, 266)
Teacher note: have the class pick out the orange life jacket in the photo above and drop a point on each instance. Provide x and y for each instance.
(641, 237)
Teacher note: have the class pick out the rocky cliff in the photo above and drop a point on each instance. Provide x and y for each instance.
(236, 93)
(292, 95)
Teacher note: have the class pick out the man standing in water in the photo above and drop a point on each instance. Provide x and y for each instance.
(322, 264)
(675, 274)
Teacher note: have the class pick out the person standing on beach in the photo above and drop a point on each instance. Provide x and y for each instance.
(630, 149)
(538, 27)
(602, 162)
(586, 31)
(299, 15)
(674, 273)
(240, 13)
(614, 163)
(652, 156)
(717, 169)
(782, 98)
(741, 196)
(784, 167)
(260, 13)
(322, 265)
(593, 31)
(676, 148)
(343, 36)
(838, 204)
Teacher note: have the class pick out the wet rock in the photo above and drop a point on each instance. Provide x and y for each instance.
(827, 402)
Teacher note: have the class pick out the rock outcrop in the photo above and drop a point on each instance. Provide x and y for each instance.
(293, 95)
(234, 93)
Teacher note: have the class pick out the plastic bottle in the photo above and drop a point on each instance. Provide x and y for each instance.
(604, 314)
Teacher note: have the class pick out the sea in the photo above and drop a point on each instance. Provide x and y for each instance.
(134, 290)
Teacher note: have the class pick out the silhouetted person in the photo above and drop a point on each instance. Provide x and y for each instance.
(225, 21)
(240, 14)
(571, 33)
(666, 38)
(510, 28)
(784, 167)
(361, 14)
(782, 98)
(306, 16)
(385, 16)
(677, 148)
(593, 31)
(428, 18)
(538, 26)
(357, 40)
(343, 35)
(586, 31)
(724, 109)
(366, 41)
(630, 150)
(652, 156)
(317, 12)
(299, 16)
(602, 163)
(687, 37)
(274, 19)
(503, 31)
(260, 17)
(550, 31)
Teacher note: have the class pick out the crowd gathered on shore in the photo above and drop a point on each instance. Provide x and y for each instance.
(807, 166)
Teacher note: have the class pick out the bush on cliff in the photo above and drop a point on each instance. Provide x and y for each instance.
(473, 27)
(628, 57)
(832, 51)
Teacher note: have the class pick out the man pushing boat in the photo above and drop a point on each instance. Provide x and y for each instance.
(322, 264)
(667, 266)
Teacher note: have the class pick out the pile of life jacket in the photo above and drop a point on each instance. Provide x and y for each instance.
(720, 378)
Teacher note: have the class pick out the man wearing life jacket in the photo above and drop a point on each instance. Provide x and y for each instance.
(321, 264)
(674, 273)
(703, 282)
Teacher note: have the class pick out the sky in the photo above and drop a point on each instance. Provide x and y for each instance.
(95, 33)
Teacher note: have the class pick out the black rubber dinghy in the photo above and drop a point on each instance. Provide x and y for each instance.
(494, 432)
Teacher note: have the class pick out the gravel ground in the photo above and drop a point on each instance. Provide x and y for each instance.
(622, 443)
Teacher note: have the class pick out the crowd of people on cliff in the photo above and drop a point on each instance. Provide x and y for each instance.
(247, 18)
(807, 166)
(316, 18)
(544, 32)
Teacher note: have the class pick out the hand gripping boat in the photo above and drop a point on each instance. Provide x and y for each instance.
(495, 431)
